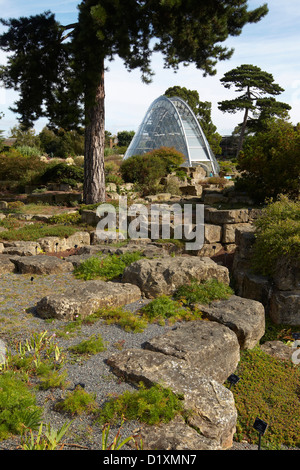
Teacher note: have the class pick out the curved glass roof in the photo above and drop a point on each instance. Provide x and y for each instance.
(170, 122)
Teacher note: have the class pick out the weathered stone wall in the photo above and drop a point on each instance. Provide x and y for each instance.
(281, 294)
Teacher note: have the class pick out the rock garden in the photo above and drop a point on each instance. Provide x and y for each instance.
(134, 342)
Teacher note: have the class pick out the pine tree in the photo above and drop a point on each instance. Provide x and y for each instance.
(254, 84)
(59, 70)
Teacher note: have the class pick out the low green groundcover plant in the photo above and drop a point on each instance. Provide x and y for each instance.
(164, 308)
(127, 320)
(147, 405)
(92, 345)
(35, 231)
(268, 389)
(77, 402)
(18, 409)
(107, 268)
(204, 292)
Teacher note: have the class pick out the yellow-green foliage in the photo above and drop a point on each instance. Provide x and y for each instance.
(268, 389)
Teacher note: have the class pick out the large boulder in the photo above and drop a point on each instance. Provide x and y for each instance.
(210, 406)
(209, 347)
(243, 316)
(86, 298)
(163, 276)
(42, 264)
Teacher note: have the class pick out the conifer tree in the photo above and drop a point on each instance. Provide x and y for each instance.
(255, 85)
(59, 70)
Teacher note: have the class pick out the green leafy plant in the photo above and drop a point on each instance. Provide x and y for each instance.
(110, 267)
(78, 402)
(116, 444)
(151, 406)
(164, 308)
(204, 292)
(47, 437)
(277, 234)
(92, 345)
(269, 389)
(18, 409)
(125, 319)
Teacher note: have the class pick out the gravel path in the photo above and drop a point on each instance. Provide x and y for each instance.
(18, 297)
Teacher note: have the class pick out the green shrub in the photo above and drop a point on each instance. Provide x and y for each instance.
(146, 170)
(163, 308)
(270, 162)
(61, 173)
(18, 408)
(150, 406)
(127, 320)
(277, 235)
(28, 151)
(78, 402)
(92, 345)
(110, 267)
(203, 293)
(268, 389)
(20, 168)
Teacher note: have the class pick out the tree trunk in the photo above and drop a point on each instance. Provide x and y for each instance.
(94, 176)
(244, 125)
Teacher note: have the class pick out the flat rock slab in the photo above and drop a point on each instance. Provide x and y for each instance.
(211, 406)
(208, 347)
(87, 298)
(42, 264)
(21, 248)
(163, 276)
(243, 316)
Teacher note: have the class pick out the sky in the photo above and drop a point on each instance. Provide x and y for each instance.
(273, 44)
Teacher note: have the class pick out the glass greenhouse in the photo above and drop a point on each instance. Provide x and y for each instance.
(170, 122)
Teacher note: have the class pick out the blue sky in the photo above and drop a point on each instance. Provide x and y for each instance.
(272, 44)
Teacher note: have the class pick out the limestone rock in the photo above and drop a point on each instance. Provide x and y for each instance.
(41, 264)
(212, 233)
(53, 244)
(162, 276)
(212, 405)
(207, 346)
(6, 265)
(21, 248)
(287, 274)
(243, 316)
(278, 349)
(226, 216)
(175, 435)
(285, 307)
(86, 298)
(229, 231)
